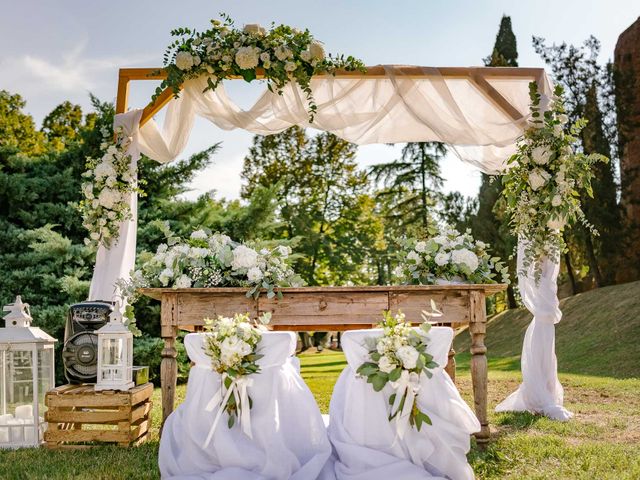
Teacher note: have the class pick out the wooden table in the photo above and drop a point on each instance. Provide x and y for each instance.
(329, 309)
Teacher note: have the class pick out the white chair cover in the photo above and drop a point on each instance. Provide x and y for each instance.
(289, 436)
(364, 440)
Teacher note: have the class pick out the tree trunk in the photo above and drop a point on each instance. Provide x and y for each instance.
(572, 278)
(511, 297)
(593, 261)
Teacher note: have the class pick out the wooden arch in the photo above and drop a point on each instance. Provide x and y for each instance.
(476, 75)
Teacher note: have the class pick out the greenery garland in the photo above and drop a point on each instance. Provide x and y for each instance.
(221, 52)
(544, 179)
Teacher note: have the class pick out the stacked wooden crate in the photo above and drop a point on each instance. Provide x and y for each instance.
(79, 417)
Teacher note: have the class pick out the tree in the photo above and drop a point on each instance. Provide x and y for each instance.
(505, 50)
(63, 125)
(17, 129)
(412, 183)
(588, 89)
(322, 203)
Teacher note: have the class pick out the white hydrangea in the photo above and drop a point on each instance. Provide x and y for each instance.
(415, 257)
(165, 276)
(466, 257)
(408, 356)
(247, 57)
(199, 235)
(104, 169)
(556, 201)
(556, 223)
(284, 251)
(108, 198)
(184, 60)
(244, 257)
(183, 281)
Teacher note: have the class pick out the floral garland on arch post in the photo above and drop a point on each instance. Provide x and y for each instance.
(284, 54)
(543, 181)
(110, 180)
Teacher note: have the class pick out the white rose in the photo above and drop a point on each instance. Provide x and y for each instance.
(265, 57)
(267, 65)
(282, 53)
(254, 274)
(290, 66)
(184, 60)
(415, 257)
(563, 119)
(385, 364)
(408, 356)
(244, 257)
(306, 56)
(441, 240)
(254, 29)
(538, 178)
(541, 155)
(317, 51)
(558, 130)
(421, 247)
(247, 57)
(183, 281)
(556, 201)
(556, 223)
(441, 258)
(162, 248)
(284, 251)
(87, 190)
(199, 235)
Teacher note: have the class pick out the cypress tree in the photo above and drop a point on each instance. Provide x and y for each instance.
(490, 224)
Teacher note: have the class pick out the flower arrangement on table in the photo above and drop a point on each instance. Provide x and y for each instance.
(283, 53)
(208, 259)
(544, 179)
(448, 256)
(232, 345)
(110, 180)
(399, 357)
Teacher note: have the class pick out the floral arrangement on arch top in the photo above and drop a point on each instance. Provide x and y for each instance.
(447, 256)
(544, 179)
(283, 53)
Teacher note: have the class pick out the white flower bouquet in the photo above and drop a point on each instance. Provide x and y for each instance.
(544, 179)
(448, 256)
(399, 357)
(283, 54)
(213, 260)
(232, 343)
(110, 181)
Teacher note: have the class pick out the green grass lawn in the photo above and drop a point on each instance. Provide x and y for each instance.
(599, 364)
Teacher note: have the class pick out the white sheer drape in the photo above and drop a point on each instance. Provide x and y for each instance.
(365, 442)
(387, 109)
(540, 391)
(289, 440)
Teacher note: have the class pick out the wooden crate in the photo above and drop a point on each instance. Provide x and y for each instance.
(80, 417)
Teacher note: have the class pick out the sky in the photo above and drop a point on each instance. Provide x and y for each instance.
(63, 50)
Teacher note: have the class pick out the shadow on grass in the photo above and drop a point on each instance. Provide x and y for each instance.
(325, 364)
(518, 420)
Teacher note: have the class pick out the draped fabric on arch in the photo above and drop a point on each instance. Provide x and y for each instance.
(479, 113)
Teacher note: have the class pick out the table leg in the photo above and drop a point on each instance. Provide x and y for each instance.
(479, 377)
(451, 364)
(169, 364)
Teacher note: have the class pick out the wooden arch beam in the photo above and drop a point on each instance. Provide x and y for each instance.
(477, 75)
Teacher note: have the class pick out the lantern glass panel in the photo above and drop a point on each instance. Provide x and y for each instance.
(45, 383)
(20, 379)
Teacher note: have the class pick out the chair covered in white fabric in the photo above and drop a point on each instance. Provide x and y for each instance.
(289, 437)
(365, 441)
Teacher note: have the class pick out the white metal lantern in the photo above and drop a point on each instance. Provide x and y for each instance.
(115, 354)
(26, 374)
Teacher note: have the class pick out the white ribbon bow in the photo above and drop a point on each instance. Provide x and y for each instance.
(238, 389)
(408, 383)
